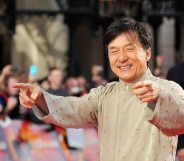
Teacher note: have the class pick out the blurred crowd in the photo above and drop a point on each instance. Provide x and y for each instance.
(54, 83)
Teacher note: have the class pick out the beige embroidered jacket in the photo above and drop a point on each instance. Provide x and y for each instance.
(128, 129)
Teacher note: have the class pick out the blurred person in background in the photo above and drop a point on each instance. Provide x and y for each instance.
(6, 71)
(97, 72)
(44, 83)
(138, 117)
(96, 77)
(56, 87)
(176, 74)
(9, 97)
(72, 87)
(158, 69)
(82, 82)
(55, 79)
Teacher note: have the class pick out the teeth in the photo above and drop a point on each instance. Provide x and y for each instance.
(123, 67)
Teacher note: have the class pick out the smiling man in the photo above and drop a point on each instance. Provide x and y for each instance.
(137, 117)
(129, 59)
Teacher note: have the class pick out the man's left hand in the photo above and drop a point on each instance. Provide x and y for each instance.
(146, 91)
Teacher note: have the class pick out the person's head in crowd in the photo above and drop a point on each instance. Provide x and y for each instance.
(9, 98)
(159, 60)
(44, 83)
(9, 81)
(96, 77)
(82, 83)
(128, 43)
(158, 69)
(6, 71)
(55, 78)
(72, 86)
(97, 72)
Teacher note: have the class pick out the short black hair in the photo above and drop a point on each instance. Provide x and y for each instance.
(127, 24)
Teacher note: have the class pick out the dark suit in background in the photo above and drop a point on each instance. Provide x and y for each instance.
(176, 74)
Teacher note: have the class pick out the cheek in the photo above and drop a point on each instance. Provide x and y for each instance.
(140, 59)
(110, 60)
(113, 65)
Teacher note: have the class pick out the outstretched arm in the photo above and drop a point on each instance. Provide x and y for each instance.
(70, 112)
(167, 110)
(31, 95)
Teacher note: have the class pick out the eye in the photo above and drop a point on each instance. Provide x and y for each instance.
(114, 52)
(129, 49)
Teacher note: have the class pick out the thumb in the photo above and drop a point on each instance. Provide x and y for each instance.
(147, 83)
(34, 94)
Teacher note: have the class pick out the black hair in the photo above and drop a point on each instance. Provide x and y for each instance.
(128, 24)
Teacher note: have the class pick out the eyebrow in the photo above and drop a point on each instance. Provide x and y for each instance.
(127, 45)
(112, 47)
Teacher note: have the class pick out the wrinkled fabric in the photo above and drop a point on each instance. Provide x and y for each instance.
(129, 130)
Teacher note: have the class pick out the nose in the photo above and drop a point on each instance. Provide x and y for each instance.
(122, 57)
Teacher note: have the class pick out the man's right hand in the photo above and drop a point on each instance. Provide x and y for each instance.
(28, 94)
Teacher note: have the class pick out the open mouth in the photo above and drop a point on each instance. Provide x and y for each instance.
(125, 67)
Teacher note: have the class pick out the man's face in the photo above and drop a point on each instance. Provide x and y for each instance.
(128, 59)
(55, 77)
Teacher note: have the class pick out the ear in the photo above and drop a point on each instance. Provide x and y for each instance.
(148, 54)
(49, 78)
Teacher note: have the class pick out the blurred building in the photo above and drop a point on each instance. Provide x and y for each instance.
(69, 33)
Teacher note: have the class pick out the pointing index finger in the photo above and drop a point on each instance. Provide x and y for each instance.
(22, 85)
(141, 84)
(138, 85)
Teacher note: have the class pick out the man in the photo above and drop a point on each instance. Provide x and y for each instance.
(137, 117)
(55, 78)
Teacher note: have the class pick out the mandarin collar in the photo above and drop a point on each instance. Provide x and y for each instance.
(128, 86)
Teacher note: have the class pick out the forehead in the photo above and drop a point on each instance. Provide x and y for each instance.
(56, 71)
(126, 38)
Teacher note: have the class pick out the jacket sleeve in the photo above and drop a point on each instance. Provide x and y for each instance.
(71, 112)
(168, 112)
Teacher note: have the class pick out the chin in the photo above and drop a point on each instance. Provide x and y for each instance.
(126, 80)
(125, 76)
